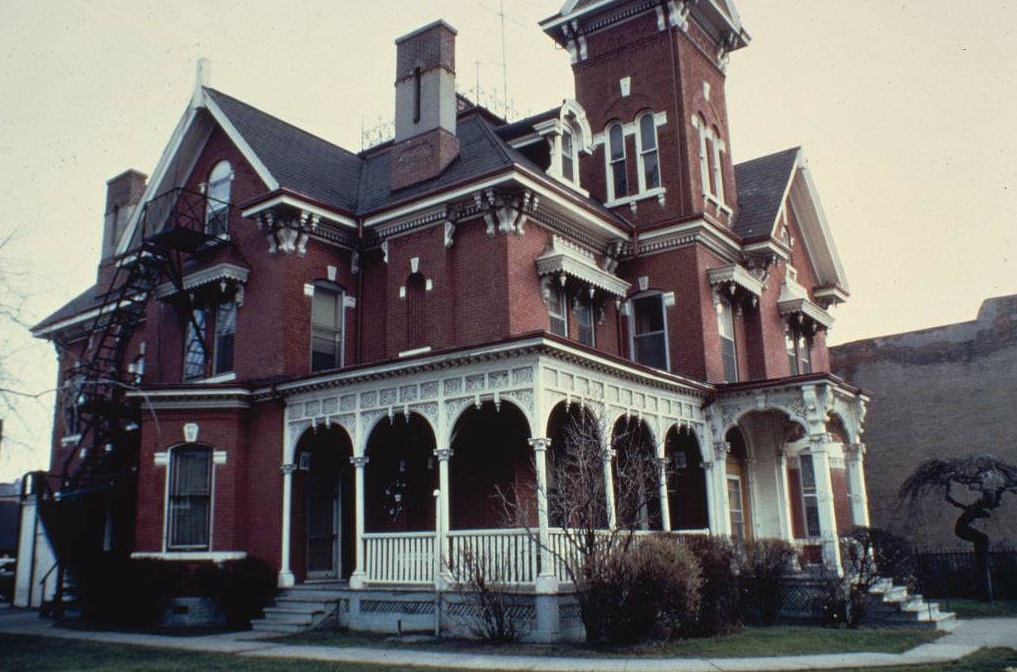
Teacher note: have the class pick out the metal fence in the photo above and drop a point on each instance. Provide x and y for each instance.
(946, 574)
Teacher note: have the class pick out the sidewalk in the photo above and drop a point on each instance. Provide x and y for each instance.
(968, 637)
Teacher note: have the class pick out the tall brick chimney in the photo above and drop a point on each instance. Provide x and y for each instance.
(425, 115)
(123, 193)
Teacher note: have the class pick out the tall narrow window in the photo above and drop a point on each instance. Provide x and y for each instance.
(225, 334)
(618, 172)
(326, 327)
(799, 350)
(416, 311)
(584, 321)
(649, 333)
(220, 181)
(649, 163)
(557, 312)
(810, 500)
(736, 507)
(717, 166)
(728, 352)
(792, 352)
(804, 353)
(195, 360)
(190, 499)
(568, 156)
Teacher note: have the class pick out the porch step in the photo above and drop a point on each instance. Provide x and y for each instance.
(299, 609)
(893, 605)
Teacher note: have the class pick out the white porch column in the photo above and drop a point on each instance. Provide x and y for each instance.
(443, 455)
(784, 492)
(359, 575)
(546, 580)
(286, 578)
(665, 506)
(716, 490)
(856, 484)
(607, 457)
(825, 500)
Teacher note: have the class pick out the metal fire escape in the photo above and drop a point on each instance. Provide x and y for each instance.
(98, 478)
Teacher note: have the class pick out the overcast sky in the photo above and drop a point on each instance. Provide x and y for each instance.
(905, 110)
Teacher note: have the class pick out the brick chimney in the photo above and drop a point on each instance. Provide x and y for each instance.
(425, 115)
(123, 193)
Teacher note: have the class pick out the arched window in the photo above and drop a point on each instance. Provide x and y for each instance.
(327, 327)
(416, 311)
(218, 196)
(617, 178)
(649, 330)
(649, 161)
(717, 165)
(189, 515)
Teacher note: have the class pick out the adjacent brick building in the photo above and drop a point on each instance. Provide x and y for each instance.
(939, 393)
(291, 347)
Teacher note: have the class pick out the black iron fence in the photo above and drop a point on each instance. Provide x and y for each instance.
(954, 574)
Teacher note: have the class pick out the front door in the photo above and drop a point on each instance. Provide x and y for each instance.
(324, 515)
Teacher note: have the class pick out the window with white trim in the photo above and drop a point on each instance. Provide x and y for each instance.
(649, 331)
(617, 169)
(189, 509)
(711, 148)
(736, 507)
(557, 311)
(728, 350)
(649, 157)
(326, 326)
(220, 182)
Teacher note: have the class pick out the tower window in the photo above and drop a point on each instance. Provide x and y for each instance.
(568, 156)
(416, 311)
(557, 312)
(799, 350)
(584, 321)
(649, 161)
(618, 185)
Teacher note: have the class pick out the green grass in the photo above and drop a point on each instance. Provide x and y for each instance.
(977, 609)
(41, 654)
(753, 642)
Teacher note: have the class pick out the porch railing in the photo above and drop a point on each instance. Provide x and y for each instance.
(501, 556)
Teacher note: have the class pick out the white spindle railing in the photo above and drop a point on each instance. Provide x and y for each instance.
(399, 557)
(499, 556)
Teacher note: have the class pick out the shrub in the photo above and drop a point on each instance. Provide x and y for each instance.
(721, 608)
(765, 563)
(120, 592)
(869, 554)
(647, 590)
(493, 618)
(243, 587)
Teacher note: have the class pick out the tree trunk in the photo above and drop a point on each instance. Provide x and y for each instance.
(980, 540)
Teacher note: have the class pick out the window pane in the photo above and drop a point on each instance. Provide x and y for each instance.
(556, 312)
(651, 350)
(225, 332)
(584, 317)
(649, 314)
(649, 339)
(326, 329)
(218, 192)
(619, 177)
(190, 498)
(567, 157)
(648, 132)
(651, 170)
(734, 503)
(194, 352)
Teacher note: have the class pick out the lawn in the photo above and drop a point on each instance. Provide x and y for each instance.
(978, 609)
(40, 654)
(772, 641)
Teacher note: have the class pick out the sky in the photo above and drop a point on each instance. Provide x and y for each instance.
(905, 110)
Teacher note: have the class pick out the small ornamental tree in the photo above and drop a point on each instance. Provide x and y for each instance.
(986, 478)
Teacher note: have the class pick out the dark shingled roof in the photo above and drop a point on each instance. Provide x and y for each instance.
(80, 304)
(308, 165)
(302, 162)
(761, 186)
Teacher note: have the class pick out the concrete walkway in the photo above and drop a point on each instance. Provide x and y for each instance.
(967, 637)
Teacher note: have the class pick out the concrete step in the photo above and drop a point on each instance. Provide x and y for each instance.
(276, 628)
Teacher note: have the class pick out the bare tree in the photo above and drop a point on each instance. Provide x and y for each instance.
(983, 475)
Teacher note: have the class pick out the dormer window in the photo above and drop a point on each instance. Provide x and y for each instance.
(220, 181)
(617, 184)
(649, 161)
(568, 156)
